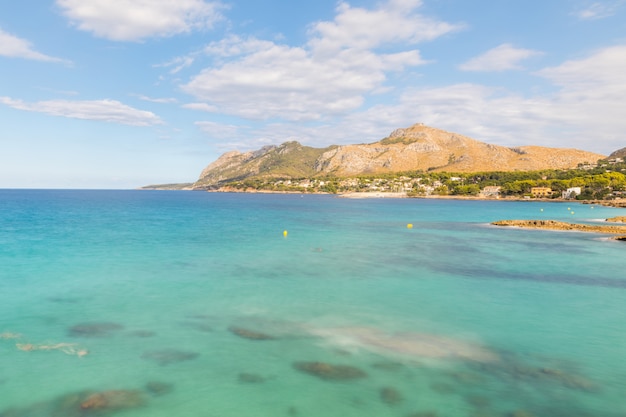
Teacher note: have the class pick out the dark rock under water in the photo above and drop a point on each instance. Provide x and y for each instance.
(330, 372)
(168, 356)
(250, 334)
(101, 329)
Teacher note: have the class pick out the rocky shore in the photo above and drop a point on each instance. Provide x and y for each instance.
(557, 225)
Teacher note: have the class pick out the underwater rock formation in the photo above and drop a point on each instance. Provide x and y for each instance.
(104, 329)
(250, 334)
(249, 378)
(158, 389)
(81, 404)
(113, 400)
(330, 372)
(168, 356)
(391, 396)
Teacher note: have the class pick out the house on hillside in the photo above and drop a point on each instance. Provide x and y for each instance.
(491, 191)
(571, 192)
(541, 191)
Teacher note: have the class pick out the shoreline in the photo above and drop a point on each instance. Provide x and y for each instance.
(618, 203)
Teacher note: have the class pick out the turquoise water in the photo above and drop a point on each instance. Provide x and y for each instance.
(195, 304)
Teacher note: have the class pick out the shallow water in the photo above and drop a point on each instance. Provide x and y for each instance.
(197, 305)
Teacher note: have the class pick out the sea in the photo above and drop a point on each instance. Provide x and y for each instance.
(195, 304)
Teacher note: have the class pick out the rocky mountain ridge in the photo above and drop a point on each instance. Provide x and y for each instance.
(417, 148)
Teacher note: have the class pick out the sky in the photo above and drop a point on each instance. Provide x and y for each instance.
(124, 93)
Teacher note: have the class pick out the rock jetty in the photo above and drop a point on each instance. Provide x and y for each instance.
(557, 225)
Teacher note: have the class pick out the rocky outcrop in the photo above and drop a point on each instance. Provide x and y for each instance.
(618, 219)
(556, 225)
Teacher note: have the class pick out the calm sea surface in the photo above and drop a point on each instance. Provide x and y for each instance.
(191, 304)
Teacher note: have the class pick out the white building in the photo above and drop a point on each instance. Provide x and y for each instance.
(571, 192)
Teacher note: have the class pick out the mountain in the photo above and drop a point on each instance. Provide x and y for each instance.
(417, 148)
(620, 153)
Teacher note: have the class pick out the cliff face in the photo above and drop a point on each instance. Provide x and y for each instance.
(415, 148)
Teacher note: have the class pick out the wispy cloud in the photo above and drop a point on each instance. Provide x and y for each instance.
(599, 9)
(161, 100)
(177, 64)
(135, 20)
(501, 58)
(201, 107)
(15, 47)
(103, 110)
(343, 61)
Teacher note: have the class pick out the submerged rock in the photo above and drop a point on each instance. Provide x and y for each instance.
(143, 333)
(157, 388)
(113, 400)
(250, 334)
(478, 401)
(442, 388)
(391, 396)
(168, 356)
(329, 371)
(81, 404)
(103, 329)
(249, 378)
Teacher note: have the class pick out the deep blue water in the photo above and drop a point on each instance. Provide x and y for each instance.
(154, 303)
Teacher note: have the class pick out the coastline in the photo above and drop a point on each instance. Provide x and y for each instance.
(617, 203)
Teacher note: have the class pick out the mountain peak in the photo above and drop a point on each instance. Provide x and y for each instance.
(415, 148)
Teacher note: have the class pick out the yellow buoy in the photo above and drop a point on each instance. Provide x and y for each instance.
(285, 233)
(572, 212)
(409, 226)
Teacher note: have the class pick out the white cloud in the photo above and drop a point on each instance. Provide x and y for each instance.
(14, 47)
(103, 110)
(395, 21)
(161, 100)
(599, 9)
(134, 20)
(200, 106)
(501, 58)
(329, 75)
(177, 64)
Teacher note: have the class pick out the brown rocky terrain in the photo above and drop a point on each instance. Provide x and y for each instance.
(417, 148)
(420, 147)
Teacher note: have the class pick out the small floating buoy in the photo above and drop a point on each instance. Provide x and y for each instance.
(572, 212)
(409, 226)
(285, 233)
(540, 209)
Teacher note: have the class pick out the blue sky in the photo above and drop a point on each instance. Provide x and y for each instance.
(124, 93)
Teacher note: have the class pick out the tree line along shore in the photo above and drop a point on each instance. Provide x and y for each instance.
(602, 182)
